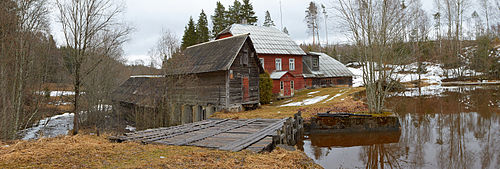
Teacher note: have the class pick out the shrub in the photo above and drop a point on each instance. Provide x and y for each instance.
(265, 88)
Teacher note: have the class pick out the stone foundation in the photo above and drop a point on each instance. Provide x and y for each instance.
(352, 124)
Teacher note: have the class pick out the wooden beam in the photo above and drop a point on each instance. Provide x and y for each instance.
(174, 133)
(249, 140)
(213, 133)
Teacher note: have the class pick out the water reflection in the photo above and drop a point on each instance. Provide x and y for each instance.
(458, 129)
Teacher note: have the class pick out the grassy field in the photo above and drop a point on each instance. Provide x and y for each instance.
(343, 102)
(87, 151)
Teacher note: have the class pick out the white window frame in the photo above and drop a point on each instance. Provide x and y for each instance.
(278, 64)
(315, 62)
(291, 64)
(261, 62)
(292, 84)
(282, 85)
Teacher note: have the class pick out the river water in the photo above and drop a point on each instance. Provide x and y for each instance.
(445, 127)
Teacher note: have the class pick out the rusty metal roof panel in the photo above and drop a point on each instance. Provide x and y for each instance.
(267, 40)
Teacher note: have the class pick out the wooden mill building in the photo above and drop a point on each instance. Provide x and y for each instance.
(208, 77)
(280, 56)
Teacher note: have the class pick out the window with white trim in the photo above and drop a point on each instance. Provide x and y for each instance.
(291, 64)
(282, 85)
(292, 85)
(261, 61)
(315, 62)
(278, 63)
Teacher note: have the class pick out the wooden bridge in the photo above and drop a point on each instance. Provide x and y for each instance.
(225, 134)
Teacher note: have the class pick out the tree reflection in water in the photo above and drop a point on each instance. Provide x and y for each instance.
(458, 129)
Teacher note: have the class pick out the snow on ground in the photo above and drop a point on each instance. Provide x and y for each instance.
(50, 127)
(333, 97)
(310, 93)
(58, 93)
(310, 101)
(434, 74)
(130, 128)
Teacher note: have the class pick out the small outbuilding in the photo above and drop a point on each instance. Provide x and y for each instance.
(322, 70)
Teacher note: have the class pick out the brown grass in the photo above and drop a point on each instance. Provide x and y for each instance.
(342, 103)
(86, 151)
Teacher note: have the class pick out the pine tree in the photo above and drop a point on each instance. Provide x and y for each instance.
(285, 31)
(247, 13)
(202, 32)
(268, 22)
(312, 20)
(219, 19)
(234, 14)
(189, 37)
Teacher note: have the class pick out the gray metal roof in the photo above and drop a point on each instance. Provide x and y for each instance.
(277, 75)
(267, 40)
(209, 56)
(330, 67)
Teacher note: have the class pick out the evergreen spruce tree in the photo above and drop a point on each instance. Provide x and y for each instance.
(234, 14)
(189, 37)
(219, 19)
(247, 13)
(268, 21)
(202, 32)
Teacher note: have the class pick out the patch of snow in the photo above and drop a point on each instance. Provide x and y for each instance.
(333, 97)
(357, 79)
(434, 73)
(130, 128)
(5, 146)
(162, 157)
(307, 101)
(58, 93)
(313, 92)
(288, 101)
(50, 127)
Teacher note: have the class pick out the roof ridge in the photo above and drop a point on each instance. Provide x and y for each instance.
(217, 40)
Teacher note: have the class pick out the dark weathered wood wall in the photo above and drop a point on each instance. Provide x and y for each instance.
(251, 70)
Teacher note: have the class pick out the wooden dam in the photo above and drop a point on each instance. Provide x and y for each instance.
(224, 134)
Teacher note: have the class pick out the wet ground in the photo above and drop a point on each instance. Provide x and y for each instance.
(452, 127)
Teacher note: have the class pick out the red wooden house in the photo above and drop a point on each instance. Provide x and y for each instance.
(280, 56)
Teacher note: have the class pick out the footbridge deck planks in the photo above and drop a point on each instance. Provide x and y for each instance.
(225, 134)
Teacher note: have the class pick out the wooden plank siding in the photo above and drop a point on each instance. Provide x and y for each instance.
(239, 71)
(209, 79)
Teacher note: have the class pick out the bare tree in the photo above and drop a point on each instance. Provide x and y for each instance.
(164, 49)
(33, 18)
(420, 28)
(83, 23)
(485, 7)
(375, 27)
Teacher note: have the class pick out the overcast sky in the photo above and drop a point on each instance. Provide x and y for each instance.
(150, 17)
